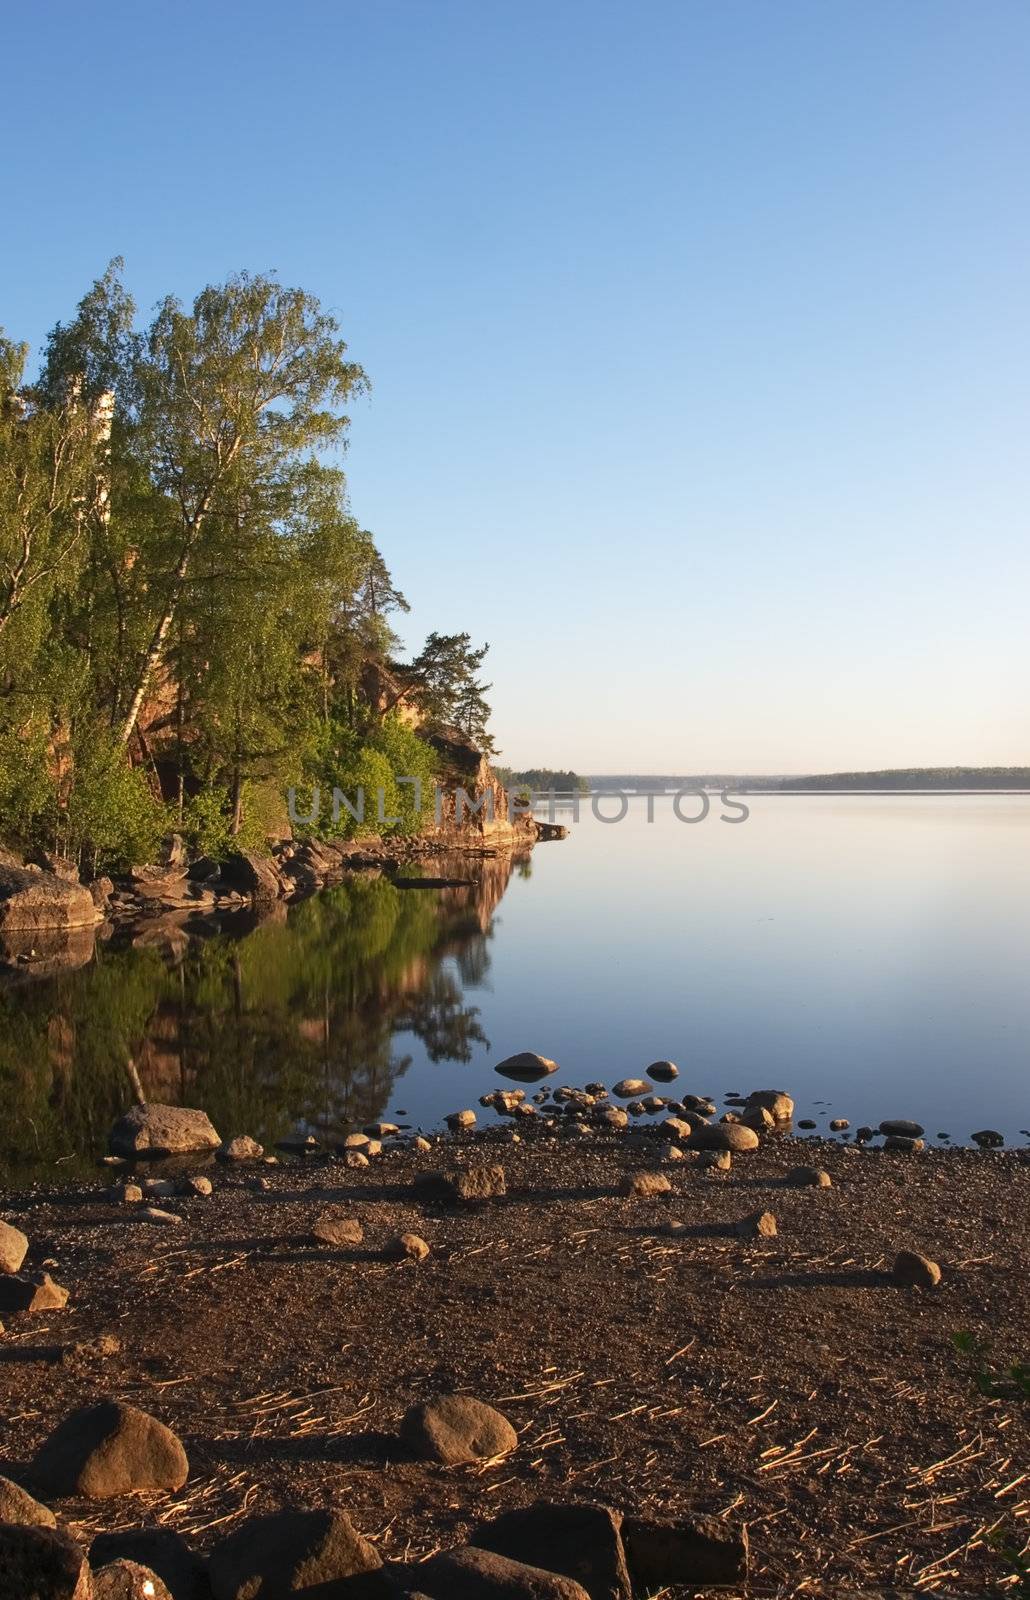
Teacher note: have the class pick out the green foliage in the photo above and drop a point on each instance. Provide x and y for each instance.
(1009, 1383)
(111, 817)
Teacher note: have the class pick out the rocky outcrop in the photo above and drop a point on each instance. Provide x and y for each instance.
(33, 901)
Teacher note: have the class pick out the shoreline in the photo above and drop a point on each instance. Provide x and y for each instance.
(782, 1384)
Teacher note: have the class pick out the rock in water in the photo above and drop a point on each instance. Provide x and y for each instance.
(454, 1428)
(110, 1449)
(31, 1291)
(460, 1119)
(473, 1574)
(913, 1271)
(127, 1580)
(14, 1248)
(161, 1130)
(903, 1145)
(37, 902)
(629, 1088)
(295, 1552)
(988, 1139)
(775, 1101)
(18, 1506)
(723, 1136)
(41, 1564)
(581, 1542)
(662, 1071)
(907, 1130)
(526, 1067)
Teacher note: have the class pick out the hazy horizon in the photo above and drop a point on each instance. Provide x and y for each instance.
(698, 335)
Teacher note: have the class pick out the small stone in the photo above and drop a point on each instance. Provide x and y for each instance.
(242, 1148)
(374, 1147)
(526, 1066)
(898, 1125)
(839, 1124)
(761, 1225)
(673, 1228)
(901, 1145)
(102, 1348)
(663, 1071)
(913, 1271)
(125, 1194)
(645, 1185)
(355, 1141)
(380, 1130)
(864, 1134)
(671, 1152)
(409, 1247)
(473, 1574)
(715, 1160)
(196, 1184)
(420, 1143)
(355, 1159)
(723, 1136)
(808, 1123)
(259, 1185)
(159, 1188)
(988, 1139)
(14, 1247)
(464, 1185)
(456, 1428)
(629, 1088)
(31, 1291)
(758, 1118)
(809, 1178)
(16, 1505)
(127, 1580)
(164, 1219)
(110, 1449)
(337, 1231)
(460, 1119)
(615, 1117)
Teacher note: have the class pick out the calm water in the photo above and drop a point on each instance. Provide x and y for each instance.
(870, 955)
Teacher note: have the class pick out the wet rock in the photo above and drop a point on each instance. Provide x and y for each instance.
(454, 1428)
(908, 1130)
(17, 1505)
(526, 1066)
(614, 1117)
(410, 1247)
(242, 1148)
(760, 1225)
(901, 1145)
(702, 1551)
(809, 1178)
(775, 1101)
(337, 1231)
(582, 1542)
(808, 1123)
(380, 1130)
(988, 1139)
(723, 1136)
(14, 1247)
(162, 1551)
(646, 1185)
(295, 1552)
(30, 1291)
(913, 1271)
(629, 1088)
(41, 1564)
(839, 1124)
(663, 1071)
(473, 1574)
(758, 1118)
(465, 1185)
(161, 1130)
(461, 1119)
(110, 1449)
(864, 1134)
(127, 1580)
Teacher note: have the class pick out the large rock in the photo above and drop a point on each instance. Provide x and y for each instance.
(13, 1248)
(723, 1136)
(255, 875)
(913, 1271)
(30, 1291)
(902, 1127)
(110, 1449)
(128, 1580)
(526, 1066)
(160, 1550)
(705, 1550)
(295, 1552)
(776, 1101)
(18, 1506)
(628, 1088)
(161, 1130)
(454, 1428)
(38, 901)
(474, 1574)
(41, 1564)
(582, 1542)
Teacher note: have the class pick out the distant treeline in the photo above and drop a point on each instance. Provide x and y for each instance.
(917, 778)
(542, 778)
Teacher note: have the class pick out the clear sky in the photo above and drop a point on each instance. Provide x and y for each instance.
(699, 331)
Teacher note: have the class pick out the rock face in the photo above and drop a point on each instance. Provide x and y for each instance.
(18, 1506)
(526, 1066)
(161, 1130)
(913, 1271)
(295, 1552)
(127, 1580)
(13, 1248)
(110, 1449)
(39, 901)
(723, 1136)
(31, 1291)
(474, 1574)
(41, 1564)
(454, 1428)
(581, 1542)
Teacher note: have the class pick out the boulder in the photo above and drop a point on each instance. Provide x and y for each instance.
(161, 1130)
(110, 1449)
(988, 1139)
(715, 1160)
(899, 1125)
(775, 1101)
(101, 890)
(474, 1574)
(614, 1117)
(410, 1247)
(41, 1564)
(295, 1552)
(526, 1067)
(582, 1542)
(161, 1551)
(14, 1248)
(16, 1505)
(702, 1551)
(31, 1291)
(646, 1185)
(36, 902)
(760, 1225)
(195, 1183)
(758, 1118)
(901, 1144)
(629, 1088)
(464, 1185)
(337, 1231)
(128, 1580)
(723, 1136)
(242, 1148)
(254, 875)
(454, 1428)
(460, 1119)
(913, 1271)
(662, 1071)
(809, 1178)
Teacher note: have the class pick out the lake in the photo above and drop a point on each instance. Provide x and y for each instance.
(870, 954)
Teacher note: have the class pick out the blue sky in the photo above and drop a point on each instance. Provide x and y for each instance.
(699, 332)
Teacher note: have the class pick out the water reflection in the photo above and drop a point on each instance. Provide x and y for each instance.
(268, 1026)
